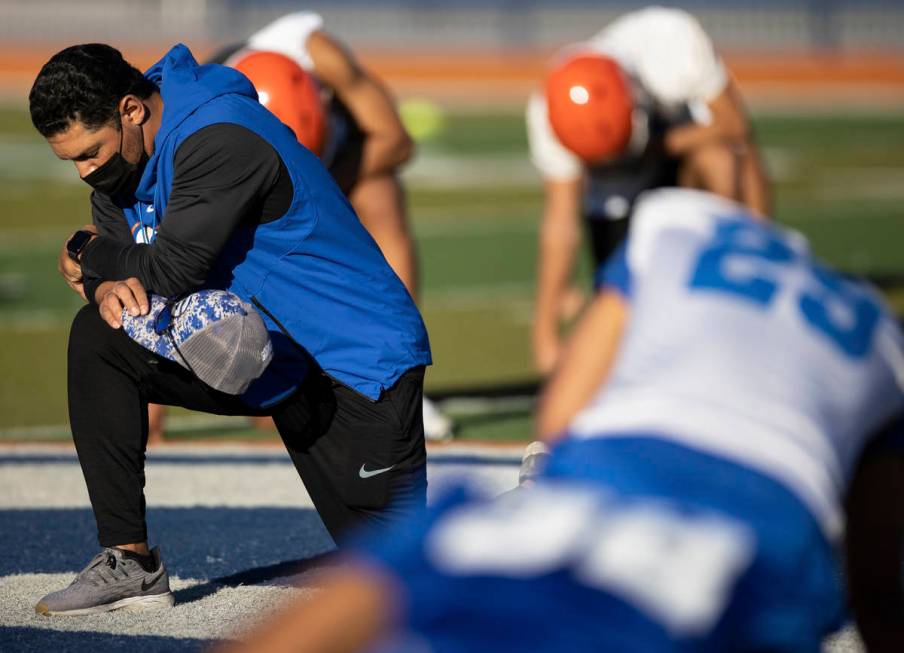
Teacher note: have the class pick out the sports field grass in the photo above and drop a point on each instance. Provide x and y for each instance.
(475, 203)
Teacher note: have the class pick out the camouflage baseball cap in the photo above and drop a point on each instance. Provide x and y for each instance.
(213, 333)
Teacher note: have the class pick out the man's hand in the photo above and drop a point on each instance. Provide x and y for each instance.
(115, 296)
(70, 270)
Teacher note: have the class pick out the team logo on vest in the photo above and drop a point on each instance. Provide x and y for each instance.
(143, 234)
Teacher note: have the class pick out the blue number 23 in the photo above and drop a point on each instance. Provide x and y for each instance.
(835, 307)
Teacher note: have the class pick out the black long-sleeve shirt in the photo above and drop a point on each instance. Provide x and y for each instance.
(224, 176)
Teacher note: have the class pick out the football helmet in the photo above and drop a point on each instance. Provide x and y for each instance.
(288, 91)
(589, 105)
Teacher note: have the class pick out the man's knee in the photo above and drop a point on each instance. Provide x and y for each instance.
(86, 329)
(713, 168)
(89, 335)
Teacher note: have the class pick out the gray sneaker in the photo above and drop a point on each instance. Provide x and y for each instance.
(532, 464)
(111, 581)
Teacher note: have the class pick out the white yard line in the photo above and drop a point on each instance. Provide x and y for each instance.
(180, 476)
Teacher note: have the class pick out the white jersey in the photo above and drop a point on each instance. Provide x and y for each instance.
(740, 344)
(671, 63)
(289, 35)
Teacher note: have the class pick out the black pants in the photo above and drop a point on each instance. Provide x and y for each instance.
(336, 438)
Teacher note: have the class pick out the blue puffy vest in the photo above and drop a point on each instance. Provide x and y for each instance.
(315, 274)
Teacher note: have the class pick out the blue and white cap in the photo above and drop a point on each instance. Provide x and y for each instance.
(213, 333)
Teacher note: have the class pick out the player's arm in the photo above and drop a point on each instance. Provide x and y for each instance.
(560, 229)
(560, 236)
(718, 145)
(585, 363)
(693, 75)
(729, 128)
(727, 123)
(874, 543)
(387, 143)
(349, 613)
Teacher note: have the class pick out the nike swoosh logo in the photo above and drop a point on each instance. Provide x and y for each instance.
(146, 585)
(363, 473)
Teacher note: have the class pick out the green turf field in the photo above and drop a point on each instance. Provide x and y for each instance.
(475, 203)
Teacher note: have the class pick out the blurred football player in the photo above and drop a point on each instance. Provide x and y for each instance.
(355, 130)
(342, 113)
(645, 103)
(726, 408)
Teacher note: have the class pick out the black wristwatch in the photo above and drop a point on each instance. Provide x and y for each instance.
(77, 243)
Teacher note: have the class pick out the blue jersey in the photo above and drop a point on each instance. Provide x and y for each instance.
(693, 505)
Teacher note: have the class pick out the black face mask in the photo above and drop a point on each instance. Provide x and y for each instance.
(117, 176)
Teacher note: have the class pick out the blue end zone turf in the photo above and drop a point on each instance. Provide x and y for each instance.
(38, 639)
(230, 545)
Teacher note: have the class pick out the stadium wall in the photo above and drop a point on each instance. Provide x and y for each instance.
(817, 53)
(746, 24)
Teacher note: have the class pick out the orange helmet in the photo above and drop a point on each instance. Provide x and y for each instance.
(290, 93)
(589, 105)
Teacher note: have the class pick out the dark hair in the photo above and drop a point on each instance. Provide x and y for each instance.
(84, 83)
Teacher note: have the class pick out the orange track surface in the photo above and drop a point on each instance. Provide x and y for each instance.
(509, 76)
